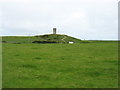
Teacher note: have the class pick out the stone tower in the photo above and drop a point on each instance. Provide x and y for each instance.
(54, 30)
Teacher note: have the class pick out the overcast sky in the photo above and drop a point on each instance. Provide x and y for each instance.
(83, 19)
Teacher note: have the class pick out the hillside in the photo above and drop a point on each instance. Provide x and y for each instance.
(58, 38)
(47, 38)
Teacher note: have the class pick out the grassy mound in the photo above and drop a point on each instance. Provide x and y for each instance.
(56, 38)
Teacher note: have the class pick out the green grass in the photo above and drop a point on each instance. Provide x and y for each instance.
(84, 65)
(48, 37)
(19, 39)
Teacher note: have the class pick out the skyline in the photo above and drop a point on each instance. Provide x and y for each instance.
(83, 19)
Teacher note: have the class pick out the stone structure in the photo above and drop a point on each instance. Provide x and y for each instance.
(54, 30)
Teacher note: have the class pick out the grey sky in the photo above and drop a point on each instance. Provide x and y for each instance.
(83, 19)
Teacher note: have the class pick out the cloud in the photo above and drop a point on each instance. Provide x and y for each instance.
(85, 19)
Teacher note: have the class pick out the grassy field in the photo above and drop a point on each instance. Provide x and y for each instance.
(84, 65)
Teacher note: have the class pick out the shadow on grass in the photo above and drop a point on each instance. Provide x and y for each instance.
(28, 66)
(16, 55)
(37, 58)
